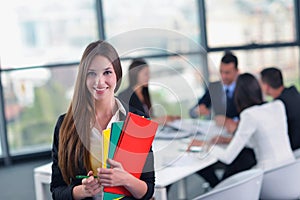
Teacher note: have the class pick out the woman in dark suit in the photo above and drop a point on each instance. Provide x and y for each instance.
(137, 96)
(77, 137)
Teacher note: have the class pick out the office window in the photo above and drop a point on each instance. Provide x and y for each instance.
(253, 61)
(240, 22)
(39, 32)
(175, 83)
(34, 98)
(167, 26)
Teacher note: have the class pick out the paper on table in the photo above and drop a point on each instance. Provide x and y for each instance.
(191, 126)
(169, 133)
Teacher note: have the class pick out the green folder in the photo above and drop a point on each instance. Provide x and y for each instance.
(111, 196)
(116, 129)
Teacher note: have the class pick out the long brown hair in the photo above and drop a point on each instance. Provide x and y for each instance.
(134, 69)
(74, 136)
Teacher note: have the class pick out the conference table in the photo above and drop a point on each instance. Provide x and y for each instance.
(172, 163)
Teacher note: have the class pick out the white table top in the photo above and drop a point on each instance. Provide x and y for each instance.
(186, 165)
(172, 162)
(44, 169)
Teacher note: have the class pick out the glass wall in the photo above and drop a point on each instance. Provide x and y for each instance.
(165, 25)
(254, 60)
(42, 42)
(41, 32)
(241, 22)
(33, 100)
(175, 83)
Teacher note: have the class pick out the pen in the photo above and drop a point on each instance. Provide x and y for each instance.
(83, 176)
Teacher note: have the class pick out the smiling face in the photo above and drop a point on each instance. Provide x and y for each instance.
(101, 79)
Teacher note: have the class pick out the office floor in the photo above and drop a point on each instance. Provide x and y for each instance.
(194, 188)
(16, 182)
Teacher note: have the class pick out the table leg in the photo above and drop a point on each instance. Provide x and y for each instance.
(160, 193)
(181, 189)
(39, 181)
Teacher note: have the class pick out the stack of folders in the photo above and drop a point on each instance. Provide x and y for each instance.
(129, 143)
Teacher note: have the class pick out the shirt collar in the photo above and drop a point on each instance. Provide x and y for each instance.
(230, 87)
(116, 116)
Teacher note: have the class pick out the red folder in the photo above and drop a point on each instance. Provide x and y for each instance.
(133, 147)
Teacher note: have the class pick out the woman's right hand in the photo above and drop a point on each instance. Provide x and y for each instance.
(89, 187)
(114, 176)
(220, 140)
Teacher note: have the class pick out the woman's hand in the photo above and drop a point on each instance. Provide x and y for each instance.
(226, 122)
(220, 140)
(89, 187)
(114, 176)
(117, 176)
(231, 125)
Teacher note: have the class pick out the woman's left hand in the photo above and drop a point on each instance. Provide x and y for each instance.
(114, 176)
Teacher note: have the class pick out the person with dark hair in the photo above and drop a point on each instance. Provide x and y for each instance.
(77, 141)
(262, 126)
(272, 85)
(219, 95)
(137, 96)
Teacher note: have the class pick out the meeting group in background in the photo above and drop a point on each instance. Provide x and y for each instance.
(270, 128)
(261, 134)
(218, 100)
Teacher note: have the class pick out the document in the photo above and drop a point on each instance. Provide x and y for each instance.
(133, 147)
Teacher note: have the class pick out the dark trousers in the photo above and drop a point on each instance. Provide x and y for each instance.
(244, 161)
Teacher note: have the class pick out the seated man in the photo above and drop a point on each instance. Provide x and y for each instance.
(225, 114)
(272, 85)
(219, 95)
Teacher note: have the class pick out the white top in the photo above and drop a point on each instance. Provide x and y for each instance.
(96, 147)
(96, 136)
(264, 128)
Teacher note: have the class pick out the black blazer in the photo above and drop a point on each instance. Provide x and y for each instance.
(215, 98)
(60, 190)
(291, 99)
(131, 100)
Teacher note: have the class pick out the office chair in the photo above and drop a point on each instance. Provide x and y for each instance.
(282, 182)
(244, 185)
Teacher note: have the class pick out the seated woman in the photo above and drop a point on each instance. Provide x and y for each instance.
(137, 96)
(263, 126)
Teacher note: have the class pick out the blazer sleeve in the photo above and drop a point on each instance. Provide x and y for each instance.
(242, 135)
(205, 99)
(59, 189)
(148, 175)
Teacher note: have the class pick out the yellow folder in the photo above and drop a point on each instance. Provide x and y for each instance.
(105, 147)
